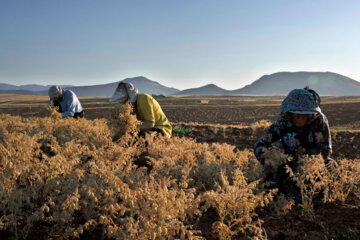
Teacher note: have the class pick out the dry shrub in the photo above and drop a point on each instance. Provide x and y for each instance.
(334, 183)
(275, 156)
(123, 123)
(67, 179)
(259, 128)
(161, 207)
(310, 178)
(282, 205)
(218, 158)
(235, 204)
(343, 180)
(50, 111)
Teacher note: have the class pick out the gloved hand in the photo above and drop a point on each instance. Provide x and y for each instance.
(269, 173)
(268, 168)
(330, 162)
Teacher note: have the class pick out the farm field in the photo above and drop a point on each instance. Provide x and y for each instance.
(229, 110)
(68, 179)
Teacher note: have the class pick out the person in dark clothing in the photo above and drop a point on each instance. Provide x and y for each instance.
(67, 102)
(300, 129)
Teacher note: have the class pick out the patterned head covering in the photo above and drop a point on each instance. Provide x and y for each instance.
(300, 101)
(123, 90)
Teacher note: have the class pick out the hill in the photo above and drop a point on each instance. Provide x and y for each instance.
(28, 87)
(143, 84)
(281, 83)
(103, 90)
(20, 92)
(210, 89)
(151, 87)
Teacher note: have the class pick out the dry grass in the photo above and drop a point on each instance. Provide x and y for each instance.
(259, 128)
(64, 178)
(81, 179)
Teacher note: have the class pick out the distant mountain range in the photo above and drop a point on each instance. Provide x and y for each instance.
(143, 84)
(281, 83)
(29, 87)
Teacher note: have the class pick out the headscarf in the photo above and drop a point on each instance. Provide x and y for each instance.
(121, 91)
(301, 101)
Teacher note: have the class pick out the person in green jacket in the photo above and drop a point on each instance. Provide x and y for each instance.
(146, 107)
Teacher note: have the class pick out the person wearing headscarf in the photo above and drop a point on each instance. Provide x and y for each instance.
(68, 103)
(300, 129)
(147, 109)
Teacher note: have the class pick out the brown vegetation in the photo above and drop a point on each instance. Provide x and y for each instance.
(83, 179)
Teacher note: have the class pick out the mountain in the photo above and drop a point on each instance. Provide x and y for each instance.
(210, 89)
(29, 87)
(143, 84)
(151, 87)
(6, 87)
(21, 92)
(35, 87)
(281, 83)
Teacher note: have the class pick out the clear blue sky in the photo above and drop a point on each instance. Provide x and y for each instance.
(180, 44)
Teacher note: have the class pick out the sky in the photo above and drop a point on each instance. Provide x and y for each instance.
(182, 44)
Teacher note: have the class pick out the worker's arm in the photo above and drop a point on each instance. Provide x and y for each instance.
(323, 138)
(146, 125)
(272, 137)
(146, 111)
(70, 104)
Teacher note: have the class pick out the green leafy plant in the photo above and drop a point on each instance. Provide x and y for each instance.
(158, 96)
(340, 235)
(179, 130)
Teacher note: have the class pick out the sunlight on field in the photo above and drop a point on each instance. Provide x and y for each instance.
(225, 110)
(67, 178)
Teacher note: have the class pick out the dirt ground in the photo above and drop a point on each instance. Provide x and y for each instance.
(329, 221)
(234, 110)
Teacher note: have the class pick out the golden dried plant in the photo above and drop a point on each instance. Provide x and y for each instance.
(275, 157)
(259, 128)
(235, 203)
(310, 178)
(68, 179)
(123, 123)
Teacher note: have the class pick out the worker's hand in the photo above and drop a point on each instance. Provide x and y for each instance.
(301, 151)
(146, 125)
(330, 164)
(269, 174)
(268, 167)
